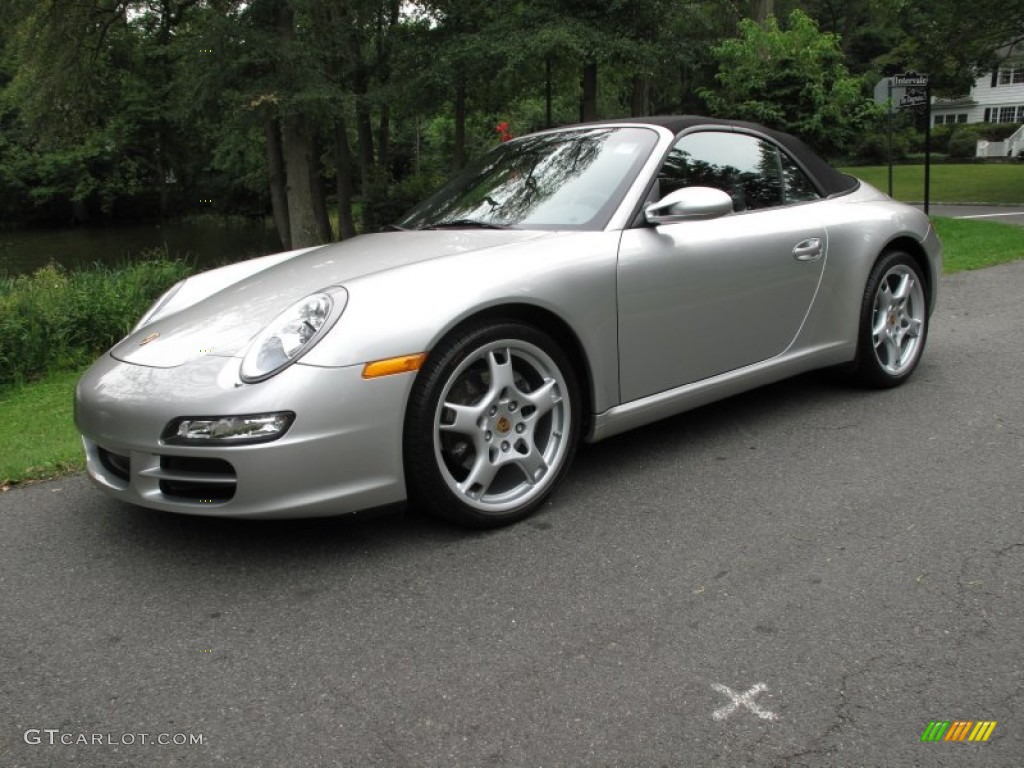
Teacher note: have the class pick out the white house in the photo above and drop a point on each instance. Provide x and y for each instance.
(996, 97)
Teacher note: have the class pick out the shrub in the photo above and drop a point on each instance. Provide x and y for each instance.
(872, 148)
(994, 131)
(918, 158)
(963, 144)
(54, 319)
(962, 139)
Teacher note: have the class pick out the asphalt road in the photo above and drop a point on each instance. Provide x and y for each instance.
(806, 575)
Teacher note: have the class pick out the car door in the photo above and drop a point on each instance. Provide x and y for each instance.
(701, 298)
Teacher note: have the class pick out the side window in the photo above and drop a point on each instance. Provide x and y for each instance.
(753, 172)
(797, 187)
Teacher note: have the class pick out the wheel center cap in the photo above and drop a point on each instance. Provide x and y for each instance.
(503, 425)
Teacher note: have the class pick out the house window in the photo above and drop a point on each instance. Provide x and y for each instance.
(950, 119)
(1011, 74)
(1007, 114)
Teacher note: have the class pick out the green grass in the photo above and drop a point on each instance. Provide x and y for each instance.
(972, 244)
(970, 183)
(39, 438)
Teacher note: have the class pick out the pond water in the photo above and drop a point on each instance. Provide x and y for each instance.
(205, 243)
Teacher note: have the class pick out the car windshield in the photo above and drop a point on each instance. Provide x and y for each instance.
(571, 179)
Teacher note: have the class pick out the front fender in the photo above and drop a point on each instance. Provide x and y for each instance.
(411, 308)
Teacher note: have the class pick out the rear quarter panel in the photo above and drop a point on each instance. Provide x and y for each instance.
(861, 226)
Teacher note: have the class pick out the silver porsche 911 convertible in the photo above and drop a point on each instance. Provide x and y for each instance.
(570, 285)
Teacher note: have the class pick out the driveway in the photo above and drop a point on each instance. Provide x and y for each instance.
(806, 575)
(1001, 213)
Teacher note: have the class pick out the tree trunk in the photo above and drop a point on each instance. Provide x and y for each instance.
(384, 136)
(389, 15)
(547, 92)
(638, 101)
(763, 9)
(79, 212)
(369, 177)
(328, 18)
(459, 151)
(275, 168)
(588, 105)
(684, 89)
(298, 151)
(317, 190)
(343, 164)
(364, 133)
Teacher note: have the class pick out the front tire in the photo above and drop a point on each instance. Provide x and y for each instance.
(492, 424)
(893, 322)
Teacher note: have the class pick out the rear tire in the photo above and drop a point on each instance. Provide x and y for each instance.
(893, 322)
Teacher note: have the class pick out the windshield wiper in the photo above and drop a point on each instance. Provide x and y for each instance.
(467, 223)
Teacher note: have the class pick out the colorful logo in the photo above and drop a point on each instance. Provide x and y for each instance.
(958, 730)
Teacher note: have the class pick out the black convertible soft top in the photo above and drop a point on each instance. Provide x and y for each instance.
(829, 180)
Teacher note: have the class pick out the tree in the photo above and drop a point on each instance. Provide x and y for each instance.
(867, 29)
(96, 93)
(763, 10)
(792, 79)
(127, 108)
(952, 42)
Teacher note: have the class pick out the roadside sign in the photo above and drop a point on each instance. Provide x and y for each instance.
(902, 91)
(908, 90)
(913, 97)
(883, 95)
(910, 80)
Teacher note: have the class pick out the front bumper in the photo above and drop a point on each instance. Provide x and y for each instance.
(342, 454)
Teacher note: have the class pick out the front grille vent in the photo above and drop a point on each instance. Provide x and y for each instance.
(116, 464)
(197, 479)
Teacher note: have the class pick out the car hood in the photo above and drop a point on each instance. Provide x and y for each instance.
(225, 321)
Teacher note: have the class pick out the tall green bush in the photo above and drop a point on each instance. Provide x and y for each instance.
(55, 320)
(963, 144)
(961, 139)
(794, 79)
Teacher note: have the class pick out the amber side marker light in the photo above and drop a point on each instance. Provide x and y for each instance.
(402, 364)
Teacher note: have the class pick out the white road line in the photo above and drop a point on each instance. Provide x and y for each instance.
(745, 700)
(989, 215)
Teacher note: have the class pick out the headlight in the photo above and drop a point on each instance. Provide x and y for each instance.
(291, 334)
(158, 305)
(228, 430)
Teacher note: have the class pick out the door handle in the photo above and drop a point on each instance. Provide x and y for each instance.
(808, 250)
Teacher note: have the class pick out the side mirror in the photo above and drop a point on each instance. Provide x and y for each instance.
(689, 204)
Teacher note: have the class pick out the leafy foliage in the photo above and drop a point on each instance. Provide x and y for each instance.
(792, 79)
(954, 41)
(56, 320)
(123, 109)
